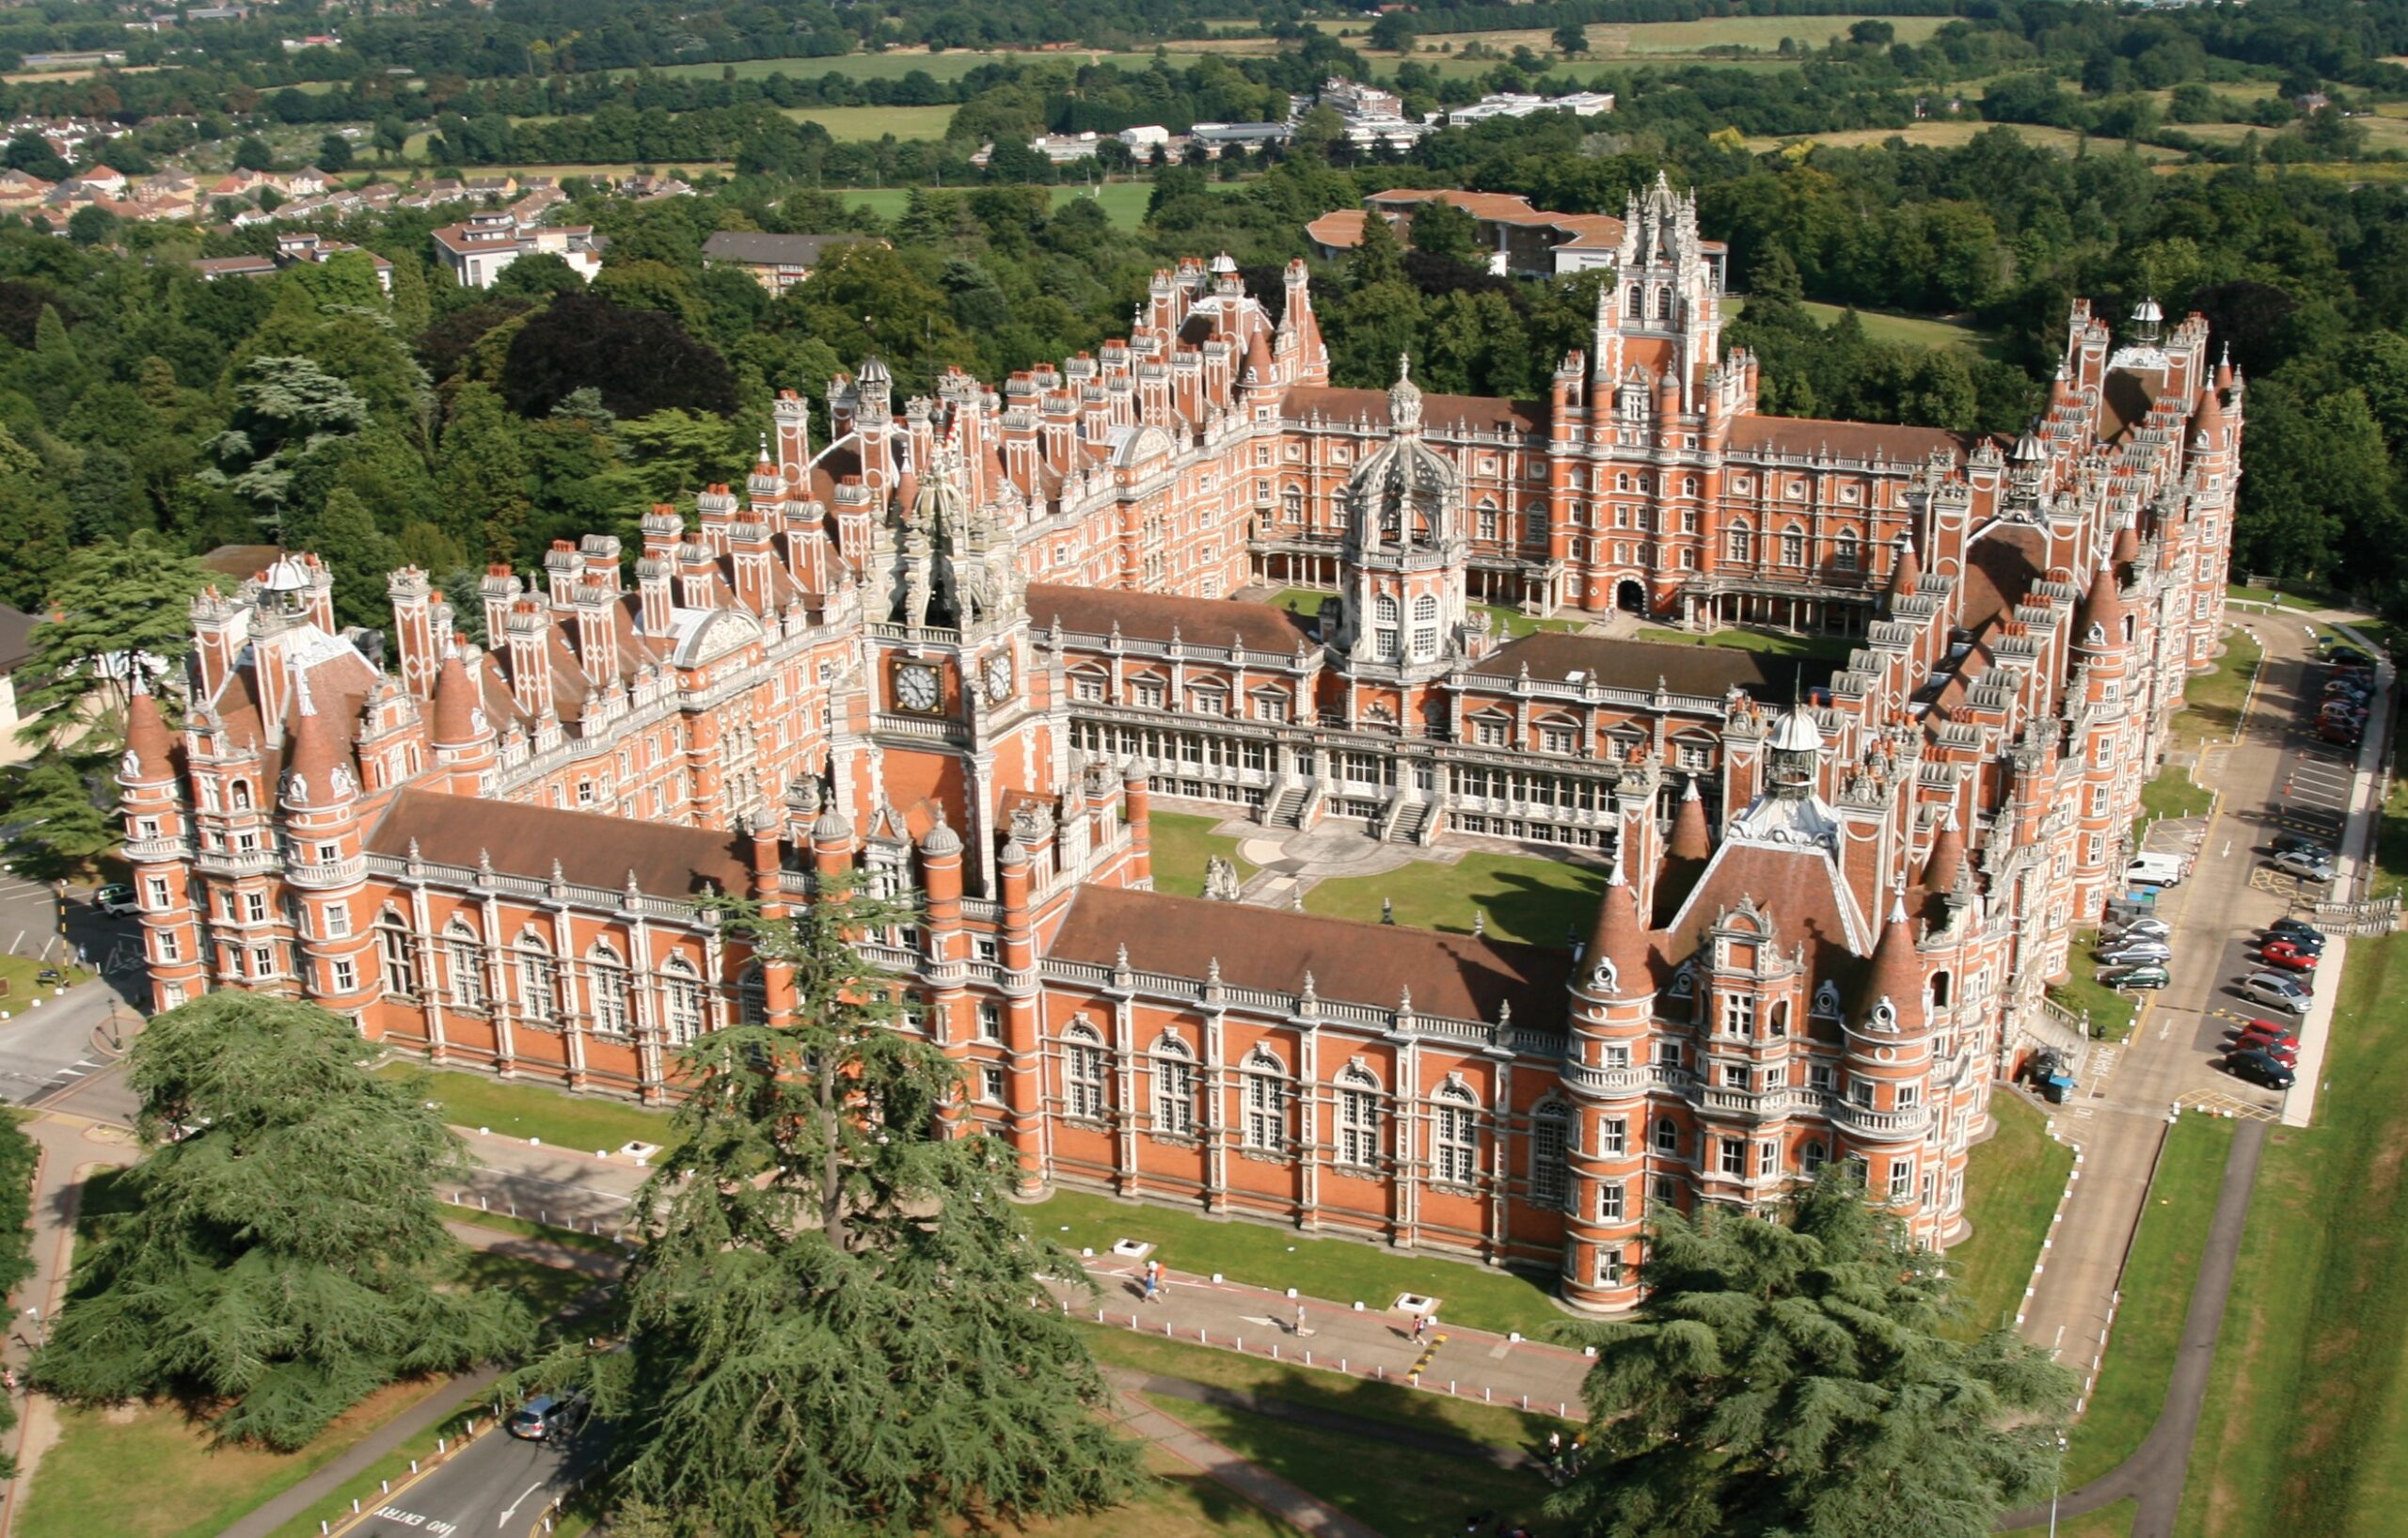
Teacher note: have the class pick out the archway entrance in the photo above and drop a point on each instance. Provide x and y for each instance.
(1630, 597)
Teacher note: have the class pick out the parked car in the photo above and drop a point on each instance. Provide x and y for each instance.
(543, 1418)
(2301, 844)
(2276, 991)
(2142, 928)
(2260, 1032)
(2307, 867)
(116, 901)
(2144, 975)
(2340, 733)
(2125, 953)
(2298, 929)
(2291, 957)
(2157, 869)
(2349, 656)
(2284, 1052)
(2258, 1068)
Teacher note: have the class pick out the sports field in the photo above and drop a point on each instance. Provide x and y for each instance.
(1123, 202)
(1911, 330)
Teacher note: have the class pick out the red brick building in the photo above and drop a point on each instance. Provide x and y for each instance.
(963, 645)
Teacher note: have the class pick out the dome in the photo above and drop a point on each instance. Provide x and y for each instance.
(1796, 733)
(1404, 398)
(287, 575)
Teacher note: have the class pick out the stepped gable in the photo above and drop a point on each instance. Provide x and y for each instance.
(1156, 616)
(592, 848)
(1555, 655)
(1459, 976)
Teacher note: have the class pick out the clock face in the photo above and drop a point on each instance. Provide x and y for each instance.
(915, 687)
(999, 677)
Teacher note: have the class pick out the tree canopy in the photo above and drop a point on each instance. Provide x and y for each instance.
(830, 1328)
(286, 1253)
(1786, 1375)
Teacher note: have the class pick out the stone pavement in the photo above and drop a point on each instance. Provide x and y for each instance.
(1376, 1343)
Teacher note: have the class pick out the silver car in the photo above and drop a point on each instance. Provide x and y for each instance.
(2142, 928)
(2126, 952)
(2276, 992)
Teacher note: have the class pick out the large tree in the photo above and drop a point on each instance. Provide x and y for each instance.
(1787, 1375)
(285, 1254)
(830, 1329)
(116, 601)
(641, 360)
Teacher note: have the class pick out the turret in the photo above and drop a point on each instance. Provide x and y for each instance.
(157, 840)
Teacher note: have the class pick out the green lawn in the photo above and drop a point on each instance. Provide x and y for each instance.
(517, 1109)
(1320, 1389)
(953, 64)
(2306, 1426)
(2212, 702)
(2165, 1262)
(866, 123)
(2110, 1013)
(1908, 330)
(18, 985)
(1771, 643)
(1509, 621)
(2107, 1522)
(1395, 1490)
(1123, 202)
(1524, 897)
(1181, 843)
(2012, 1184)
(2171, 794)
(1267, 1255)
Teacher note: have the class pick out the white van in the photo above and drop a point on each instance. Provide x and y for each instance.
(2157, 869)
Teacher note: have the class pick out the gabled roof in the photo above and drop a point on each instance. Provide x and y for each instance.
(592, 848)
(1457, 975)
(1155, 616)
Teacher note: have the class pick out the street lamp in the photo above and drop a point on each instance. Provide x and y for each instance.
(2056, 1484)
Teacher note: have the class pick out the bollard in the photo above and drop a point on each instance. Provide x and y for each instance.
(439, 1449)
(1241, 1345)
(323, 1528)
(1450, 1385)
(485, 1204)
(385, 1487)
(1275, 1351)
(1526, 1403)
(413, 1465)
(355, 1505)
(1341, 1364)
(1166, 1334)
(1484, 1397)
(1201, 1339)
(1308, 1355)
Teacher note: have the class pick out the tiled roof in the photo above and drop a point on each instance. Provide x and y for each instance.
(1154, 617)
(1438, 412)
(1555, 655)
(1846, 439)
(594, 850)
(1456, 975)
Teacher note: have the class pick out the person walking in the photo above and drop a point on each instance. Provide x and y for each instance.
(1421, 1327)
(1153, 1287)
(1301, 1331)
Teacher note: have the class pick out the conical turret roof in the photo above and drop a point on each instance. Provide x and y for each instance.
(1893, 996)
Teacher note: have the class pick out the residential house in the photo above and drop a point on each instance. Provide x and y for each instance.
(777, 262)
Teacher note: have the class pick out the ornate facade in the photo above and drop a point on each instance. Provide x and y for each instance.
(962, 647)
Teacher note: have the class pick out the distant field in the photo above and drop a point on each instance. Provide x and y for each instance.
(1660, 41)
(950, 65)
(1913, 331)
(867, 123)
(1950, 133)
(1123, 202)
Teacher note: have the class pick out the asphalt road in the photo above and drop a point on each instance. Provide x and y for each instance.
(497, 1485)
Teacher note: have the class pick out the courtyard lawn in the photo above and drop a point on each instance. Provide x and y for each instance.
(19, 983)
(1320, 1389)
(2306, 1424)
(517, 1109)
(1909, 330)
(2012, 1182)
(2110, 1013)
(1538, 902)
(2212, 702)
(1266, 1255)
(1769, 642)
(1181, 843)
(2158, 1277)
(1509, 621)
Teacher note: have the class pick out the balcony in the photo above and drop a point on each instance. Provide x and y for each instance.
(1609, 1081)
(1896, 1126)
(237, 862)
(323, 876)
(155, 850)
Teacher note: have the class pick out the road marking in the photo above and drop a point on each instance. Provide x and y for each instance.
(512, 1510)
(413, 1519)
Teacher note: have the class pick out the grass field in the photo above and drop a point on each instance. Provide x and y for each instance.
(559, 1119)
(1181, 843)
(954, 63)
(1524, 897)
(868, 124)
(1123, 202)
(2305, 1425)
(1909, 331)
(2108, 1522)
(2013, 1181)
(1951, 132)
(21, 984)
(2212, 702)
(1265, 1255)
(2110, 1013)
(2172, 794)
(1391, 1489)
(2157, 1294)
(1320, 1389)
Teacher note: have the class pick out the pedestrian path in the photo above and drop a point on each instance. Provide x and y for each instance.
(1372, 1341)
(1304, 1512)
(440, 1401)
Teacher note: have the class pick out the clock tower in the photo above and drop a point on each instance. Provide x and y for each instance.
(956, 722)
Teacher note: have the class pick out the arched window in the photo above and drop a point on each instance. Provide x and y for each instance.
(539, 982)
(605, 982)
(398, 956)
(753, 996)
(1793, 546)
(1267, 1095)
(1844, 552)
(1743, 545)
(1550, 1147)
(1664, 303)
(1383, 628)
(1174, 1087)
(1454, 1136)
(1083, 1093)
(1359, 1119)
(1425, 627)
(465, 956)
(681, 1002)
(241, 792)
(1638, 303)
(1689, 486)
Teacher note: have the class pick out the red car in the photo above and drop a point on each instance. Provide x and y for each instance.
(2257, 1033)
(2284, 1053)
(2283, 954)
